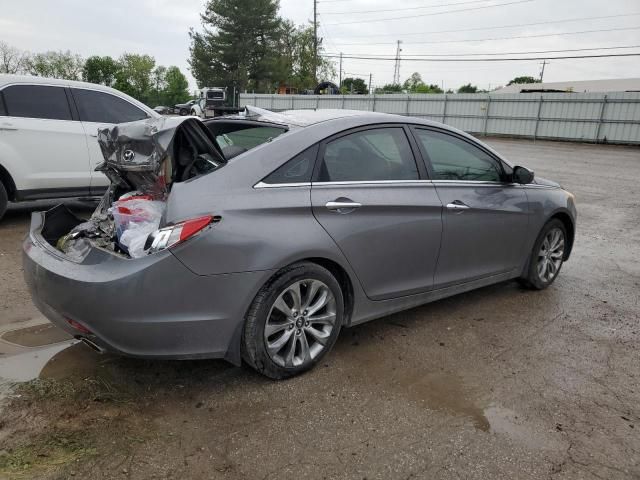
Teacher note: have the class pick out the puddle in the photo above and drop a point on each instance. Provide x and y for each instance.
(28, 365)
(36, 336)
(443, 393)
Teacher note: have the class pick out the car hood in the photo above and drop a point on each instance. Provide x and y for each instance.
(545, 182)
(136, 154)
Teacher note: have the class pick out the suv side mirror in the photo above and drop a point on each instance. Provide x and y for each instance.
(522, 175)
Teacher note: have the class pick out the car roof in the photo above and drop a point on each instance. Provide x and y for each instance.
(31, 80)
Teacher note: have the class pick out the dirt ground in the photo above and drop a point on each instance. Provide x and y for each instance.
(497, 383)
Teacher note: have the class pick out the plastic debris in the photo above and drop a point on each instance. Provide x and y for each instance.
(135, 217)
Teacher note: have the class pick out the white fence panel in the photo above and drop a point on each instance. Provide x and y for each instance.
(589, 117)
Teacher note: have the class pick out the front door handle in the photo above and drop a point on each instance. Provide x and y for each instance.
(458, 205)
(343, 206)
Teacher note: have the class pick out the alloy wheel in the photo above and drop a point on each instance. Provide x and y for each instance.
(300, 323)
(550, 255)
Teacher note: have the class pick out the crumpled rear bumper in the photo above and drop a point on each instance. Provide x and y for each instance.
(147, 307)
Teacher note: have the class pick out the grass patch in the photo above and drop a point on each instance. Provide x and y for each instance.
(98, 389)
(44, 453)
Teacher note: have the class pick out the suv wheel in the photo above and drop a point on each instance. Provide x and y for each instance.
(4, 200)
(293, 322)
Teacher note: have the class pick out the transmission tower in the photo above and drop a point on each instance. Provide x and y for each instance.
(396, 72)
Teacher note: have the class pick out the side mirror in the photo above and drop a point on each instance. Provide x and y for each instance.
(522, 175)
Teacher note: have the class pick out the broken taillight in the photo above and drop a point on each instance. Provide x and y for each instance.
(172, 235)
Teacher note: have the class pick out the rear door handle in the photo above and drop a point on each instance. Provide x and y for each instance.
(458, 205)
(338, 206)
(7, 127)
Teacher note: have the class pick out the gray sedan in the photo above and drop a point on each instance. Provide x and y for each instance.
(270, 232)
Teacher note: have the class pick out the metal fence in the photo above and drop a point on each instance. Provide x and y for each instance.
(586, 117)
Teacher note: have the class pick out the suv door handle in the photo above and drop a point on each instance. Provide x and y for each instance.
(458, 205)
(337, 206)
(7, 127)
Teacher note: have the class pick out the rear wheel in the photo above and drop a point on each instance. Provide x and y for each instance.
(547, 255)
(293, 321)
(4, 200)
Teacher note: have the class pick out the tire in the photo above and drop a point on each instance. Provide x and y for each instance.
(193, 113)
(296, 343)
(4, 200)
(539, 277)
(183, 112)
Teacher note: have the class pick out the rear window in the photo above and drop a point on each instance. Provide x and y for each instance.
(36, 101)
(101, 107)
(248, 138)
(215, 95)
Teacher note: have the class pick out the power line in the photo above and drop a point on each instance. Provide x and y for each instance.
(568, 20)
(489, 59)
(512, 53)
(406, 8)
(432, 14)
(497, 38)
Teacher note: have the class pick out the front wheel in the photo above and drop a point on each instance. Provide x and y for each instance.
(293, 322)
(547, 255)
(183, 112)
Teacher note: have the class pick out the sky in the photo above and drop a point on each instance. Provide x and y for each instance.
(160, 28)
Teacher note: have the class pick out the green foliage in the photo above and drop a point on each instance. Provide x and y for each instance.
(176, 88)
(65, 65)
(354, 85)
(389, 88)
(468, 88)
(524, 79)
(250, 47)
(100, 70)
(238, 45)
(134, 75)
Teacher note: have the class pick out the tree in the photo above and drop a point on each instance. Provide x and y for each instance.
(12, 60)
(413, 82)
(424, 88)
(176, 88)
(294, 62)
(468, 88)
(238, 46)
(523, 79)
(100, 70)
(134, 75)
(354, 85)
(158, 86)
(65, 65)
(390, 88)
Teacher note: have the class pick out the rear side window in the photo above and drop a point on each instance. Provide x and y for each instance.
(296, 170)
(101, 107)
(369, 155)
(454, 159)
(37, 101)
(248, 138)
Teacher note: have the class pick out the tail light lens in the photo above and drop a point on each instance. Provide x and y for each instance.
(78, 326)
(173, 235)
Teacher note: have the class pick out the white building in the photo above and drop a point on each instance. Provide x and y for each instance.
(578, 86)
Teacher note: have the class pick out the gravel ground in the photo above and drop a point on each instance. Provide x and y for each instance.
(497, 383)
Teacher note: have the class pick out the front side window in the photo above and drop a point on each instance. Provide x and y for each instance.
(37, 101)
(454, 159)
(101, 107)
(369, 155)
(296, 170)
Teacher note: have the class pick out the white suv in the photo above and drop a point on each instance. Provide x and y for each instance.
(48, 129)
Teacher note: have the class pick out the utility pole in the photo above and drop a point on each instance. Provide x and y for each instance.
(369, 84)
(340, 75)
(396, 72)
(542, 70)
(315, 41)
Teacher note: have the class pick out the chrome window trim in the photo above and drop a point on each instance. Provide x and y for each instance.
(262, 184)
(377, 182)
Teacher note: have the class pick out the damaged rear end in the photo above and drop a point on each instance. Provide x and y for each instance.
(143, 160)
(112, 280)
